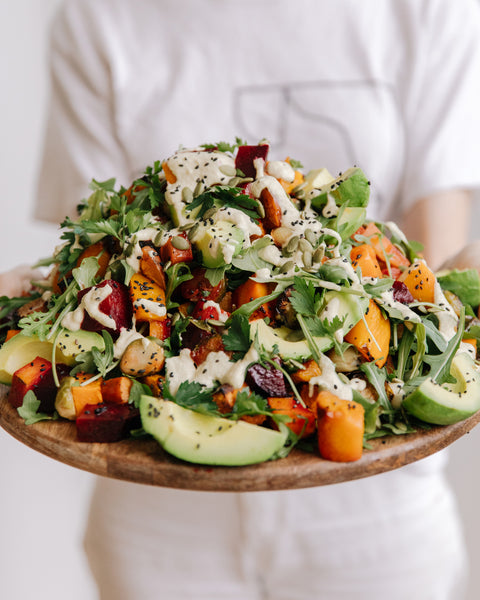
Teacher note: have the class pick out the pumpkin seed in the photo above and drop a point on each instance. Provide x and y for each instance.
(228, 170)
(198, 189)
(209, 213)
(307, 259)
(186, 226)
(310, 236)
(180, 243)
(260, 210)
(318, 254)
(292, 243)
(158, 239)
(235, 181)
(305, 246)
(287, 266)
(187, 195)
(193, 230)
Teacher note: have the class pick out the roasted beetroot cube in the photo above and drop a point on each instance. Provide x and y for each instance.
(36, 376)
(106, 422)
(116, 305)
(246, 156)
(268, 380)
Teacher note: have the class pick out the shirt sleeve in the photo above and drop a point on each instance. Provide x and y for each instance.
(442, 113)
(80, 138)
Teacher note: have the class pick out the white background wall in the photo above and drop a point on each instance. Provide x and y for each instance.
(43, 503)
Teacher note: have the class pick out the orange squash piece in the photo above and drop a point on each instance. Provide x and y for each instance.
(340, 428)
(142, 288)
(420, 280)
(303, 420)
(91, 393)
(384, 249)
(365, 257)
(155, 383)
(252, 290)
(310, 369)
(168, 252)
(151, 266)
(116, 390)
(169, 174)
(371, 335)
(11, 333)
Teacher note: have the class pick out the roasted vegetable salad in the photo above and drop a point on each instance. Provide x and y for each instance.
(234, 307)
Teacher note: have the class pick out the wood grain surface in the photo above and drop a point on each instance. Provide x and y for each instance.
(144, 461)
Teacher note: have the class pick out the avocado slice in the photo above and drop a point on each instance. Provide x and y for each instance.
(349, 220)
(465, 283)
(447, 403)
(350, 188)
(22, 349)
(218, 242)
(205, 439)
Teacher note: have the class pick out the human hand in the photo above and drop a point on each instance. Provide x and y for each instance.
(18, 280)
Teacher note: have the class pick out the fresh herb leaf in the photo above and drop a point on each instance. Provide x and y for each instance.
(249, 259)
(237, 337)
(138, 390)
(29, 408)
(303, 297)
(194, 396)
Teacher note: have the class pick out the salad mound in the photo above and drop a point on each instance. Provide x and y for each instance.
(234, 307)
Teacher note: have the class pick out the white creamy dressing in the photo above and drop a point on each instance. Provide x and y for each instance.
(240, 219)
(281, 169)
(216, 368)
(192, 168)
(329, 312)
(126, 337)
(151, 307)
(398, 393)
(329, 380)
(447, 319)
(90, 303)
(358, 384)
(272, 255)
(387, 299)
(144, 235)
(344, 264)
(259, 166)
(330, 209)
(467, 348)
(290, 214)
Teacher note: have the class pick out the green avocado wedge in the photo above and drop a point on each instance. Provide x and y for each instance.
(205, 439)
(22, 349)
(447, 403)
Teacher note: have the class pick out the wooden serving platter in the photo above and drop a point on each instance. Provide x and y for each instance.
(144, 461)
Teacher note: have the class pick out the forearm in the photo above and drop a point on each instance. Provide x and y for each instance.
(441, 222)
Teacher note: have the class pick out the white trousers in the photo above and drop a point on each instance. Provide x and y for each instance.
(392, 536)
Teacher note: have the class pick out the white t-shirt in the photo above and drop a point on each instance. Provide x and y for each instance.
(389, 85)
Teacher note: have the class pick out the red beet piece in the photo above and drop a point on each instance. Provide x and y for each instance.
(246, 155)
(401, 293)
(106, 422)
(116, 305)
(36, 376)
(268, 380)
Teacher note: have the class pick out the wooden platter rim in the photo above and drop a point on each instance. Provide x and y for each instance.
(143, 460)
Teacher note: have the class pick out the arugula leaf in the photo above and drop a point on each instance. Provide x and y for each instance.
(237, 337)
(440, 363)
(104, 360)
(377, 378)
(138, 390)
(29, 408)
